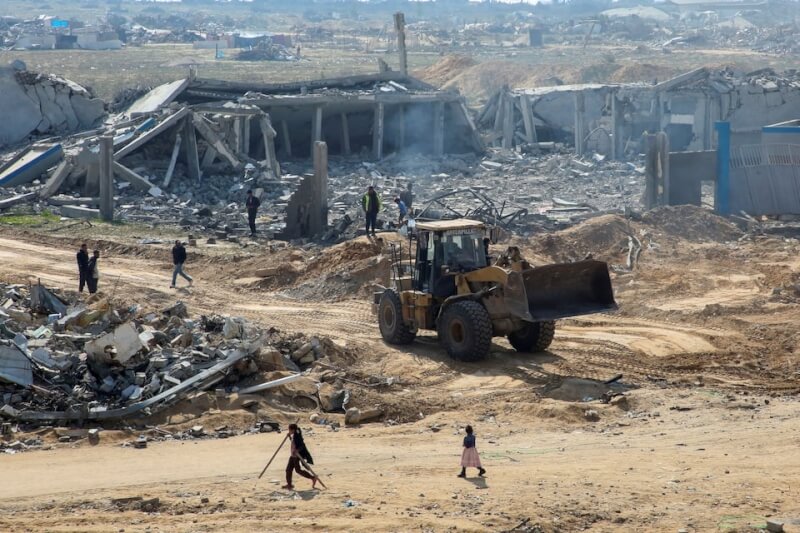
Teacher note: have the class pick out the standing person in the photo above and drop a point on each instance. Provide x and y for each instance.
(401, 207)
(83, 267)
(298, 450)
(93, 273)
(371, 203)
(407, 196)
(470, 457)
(178, 259)
(252, 204)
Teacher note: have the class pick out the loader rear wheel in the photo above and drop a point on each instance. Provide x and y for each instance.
(535, 337)
(465, 329)
(390, 320)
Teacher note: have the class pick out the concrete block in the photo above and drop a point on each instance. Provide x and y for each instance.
(74, 211)
(774, 526)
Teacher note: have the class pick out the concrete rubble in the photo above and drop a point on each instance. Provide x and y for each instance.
(63, 362)
(40, 104)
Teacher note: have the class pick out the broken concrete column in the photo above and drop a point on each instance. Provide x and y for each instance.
(319, 208)
(107, 178)
(400, 28)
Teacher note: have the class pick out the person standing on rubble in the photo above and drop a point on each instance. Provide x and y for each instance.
(93, 275)
(470, 457)
(252, 204)
(407, 197)
(299, 451)
(178, 259)
(403, 210)
(371, 203)
(83, 267)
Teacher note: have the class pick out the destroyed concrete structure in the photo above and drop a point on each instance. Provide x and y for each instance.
(38, 104)
(610, 118)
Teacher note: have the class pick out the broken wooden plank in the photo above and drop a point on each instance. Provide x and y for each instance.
(148, 135)
(213, 139)
(137, 182)
(176, 150)
(56, 179)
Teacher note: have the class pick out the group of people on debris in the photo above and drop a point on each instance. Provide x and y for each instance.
(300, 455)
(372, 204)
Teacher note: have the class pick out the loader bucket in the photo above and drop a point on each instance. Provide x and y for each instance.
(568, 289)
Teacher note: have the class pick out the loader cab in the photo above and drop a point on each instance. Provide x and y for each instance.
(445, 248)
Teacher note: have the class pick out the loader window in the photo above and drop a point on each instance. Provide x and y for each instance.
(463, 252)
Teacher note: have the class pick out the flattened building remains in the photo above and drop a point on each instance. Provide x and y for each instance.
(676, 124)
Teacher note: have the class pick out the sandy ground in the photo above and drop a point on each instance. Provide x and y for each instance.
(704, 440)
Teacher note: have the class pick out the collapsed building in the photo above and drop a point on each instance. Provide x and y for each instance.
(206, 140)
(610, 119)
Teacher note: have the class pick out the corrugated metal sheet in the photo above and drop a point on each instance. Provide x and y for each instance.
(15, 367)
(765, 179)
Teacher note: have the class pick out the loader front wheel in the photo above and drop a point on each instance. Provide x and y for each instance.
(535, 337)
(465, 329)
(390, 320)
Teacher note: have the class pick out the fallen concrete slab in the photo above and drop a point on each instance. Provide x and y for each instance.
(74, 211)
(30, 164)
(159, 97)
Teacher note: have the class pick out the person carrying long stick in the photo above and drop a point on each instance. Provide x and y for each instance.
(299, 451)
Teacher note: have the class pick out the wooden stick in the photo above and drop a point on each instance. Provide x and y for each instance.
(272, 458)
(305, 464)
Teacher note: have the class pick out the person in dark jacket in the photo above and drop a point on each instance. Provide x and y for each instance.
(299, 451)
(470, 457)
(252, 204)
(94, 272)
(178, 259)
(371, 204)
(83, 267)
(407, 196)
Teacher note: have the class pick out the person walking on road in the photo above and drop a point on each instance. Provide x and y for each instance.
(83, 267)
(470, 457)
(403, 210)
(252, 204)
(371, 203)
(93, 273)
(299, 451)
(178, 259)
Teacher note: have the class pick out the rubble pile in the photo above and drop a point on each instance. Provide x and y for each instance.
(560, 188)
(63, 362)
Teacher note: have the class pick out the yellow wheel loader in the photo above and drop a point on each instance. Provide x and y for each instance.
(450, 287)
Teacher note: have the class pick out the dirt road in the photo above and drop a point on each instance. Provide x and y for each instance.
(704, 441)
(658, 468)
